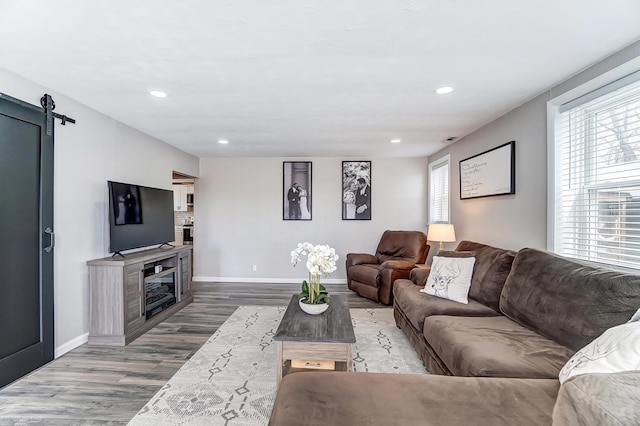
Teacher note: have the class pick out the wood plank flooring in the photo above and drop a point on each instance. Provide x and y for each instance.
(93, 385)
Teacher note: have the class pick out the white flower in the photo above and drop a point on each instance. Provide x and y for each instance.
(321, 259)
(349, 197)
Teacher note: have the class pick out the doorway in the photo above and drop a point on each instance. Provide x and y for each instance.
(184, 213)
(26, 239)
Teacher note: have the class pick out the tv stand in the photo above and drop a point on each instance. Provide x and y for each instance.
(130, 295)
(166, 244)
(118, 254)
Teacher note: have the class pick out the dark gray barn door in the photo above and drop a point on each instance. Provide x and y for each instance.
(26, 261)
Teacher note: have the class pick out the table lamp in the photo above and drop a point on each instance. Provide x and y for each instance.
(442, 232)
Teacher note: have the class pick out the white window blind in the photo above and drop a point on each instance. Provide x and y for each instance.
(597, 200)
(439, 190)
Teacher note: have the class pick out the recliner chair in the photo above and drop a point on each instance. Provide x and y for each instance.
(372, 276)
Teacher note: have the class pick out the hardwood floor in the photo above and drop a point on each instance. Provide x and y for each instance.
(108, 385)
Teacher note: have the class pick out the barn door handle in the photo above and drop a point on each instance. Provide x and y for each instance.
(52, 240)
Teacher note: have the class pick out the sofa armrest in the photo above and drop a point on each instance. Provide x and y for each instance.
(405, 265)
(360, 259)
(419, 275)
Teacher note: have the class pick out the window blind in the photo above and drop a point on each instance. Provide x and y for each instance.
(597, 206)
(439, 191)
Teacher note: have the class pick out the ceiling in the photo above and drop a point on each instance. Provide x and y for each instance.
(300, 78)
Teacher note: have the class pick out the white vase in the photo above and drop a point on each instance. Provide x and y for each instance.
(312, 309)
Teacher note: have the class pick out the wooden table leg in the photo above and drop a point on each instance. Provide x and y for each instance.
(279, 360)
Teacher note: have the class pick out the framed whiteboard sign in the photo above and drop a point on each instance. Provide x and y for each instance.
(489, 173)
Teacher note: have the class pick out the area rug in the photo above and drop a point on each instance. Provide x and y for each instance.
(231, 380)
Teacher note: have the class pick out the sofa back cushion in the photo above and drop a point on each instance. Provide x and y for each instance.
(489, 272)
(409, 245)
(566, 300)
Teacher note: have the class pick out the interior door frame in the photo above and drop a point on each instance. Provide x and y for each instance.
(43, 351)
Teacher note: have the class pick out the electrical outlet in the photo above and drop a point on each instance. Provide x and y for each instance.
(255, 268)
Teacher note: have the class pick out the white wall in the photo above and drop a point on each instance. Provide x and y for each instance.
(519, 220)
(238, 215)
(86, 155)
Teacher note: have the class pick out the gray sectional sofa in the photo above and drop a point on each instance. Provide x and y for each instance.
(528, 313)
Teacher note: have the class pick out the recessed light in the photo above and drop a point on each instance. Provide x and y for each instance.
(223, 142)
(444, 90)
(158, 94)
(395, 141)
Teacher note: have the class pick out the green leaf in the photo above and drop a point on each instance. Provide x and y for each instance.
(324, 298)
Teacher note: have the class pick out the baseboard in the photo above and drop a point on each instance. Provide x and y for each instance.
(71, 344)
(265, 280)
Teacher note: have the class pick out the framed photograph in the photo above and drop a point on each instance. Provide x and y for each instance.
(356, 190)
(296, 190)
(489, 173)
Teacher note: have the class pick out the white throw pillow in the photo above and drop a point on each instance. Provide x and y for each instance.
(450, 278)
(635, 317)
(616, 350)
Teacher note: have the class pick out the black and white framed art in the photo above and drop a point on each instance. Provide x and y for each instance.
(296, 190)
(356, 190)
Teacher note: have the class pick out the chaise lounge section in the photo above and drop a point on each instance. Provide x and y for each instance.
(335, 398)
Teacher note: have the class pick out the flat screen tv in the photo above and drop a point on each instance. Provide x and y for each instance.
(139, 216)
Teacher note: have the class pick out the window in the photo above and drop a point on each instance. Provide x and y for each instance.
(597, 177)
(439, 190)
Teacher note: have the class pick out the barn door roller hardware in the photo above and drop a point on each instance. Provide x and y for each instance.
(49, 105)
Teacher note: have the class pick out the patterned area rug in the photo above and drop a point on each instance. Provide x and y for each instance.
(231, 380)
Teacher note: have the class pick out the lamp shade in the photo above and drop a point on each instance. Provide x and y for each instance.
(442, 232)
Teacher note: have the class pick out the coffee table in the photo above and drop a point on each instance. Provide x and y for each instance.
(315, 342)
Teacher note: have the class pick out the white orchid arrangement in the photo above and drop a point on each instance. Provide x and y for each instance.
(321, 260)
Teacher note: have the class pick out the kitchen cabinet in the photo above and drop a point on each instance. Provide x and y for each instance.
(179, 235)
(180, 197)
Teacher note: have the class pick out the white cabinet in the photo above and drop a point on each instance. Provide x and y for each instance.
(180, 197)
(179, 235)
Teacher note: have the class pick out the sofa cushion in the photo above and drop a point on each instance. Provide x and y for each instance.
(341, 398)
(493, 347)
(417, 305)
(599, 399)
(489, 272)
(450, 278)
(566, 300)
(618, 349)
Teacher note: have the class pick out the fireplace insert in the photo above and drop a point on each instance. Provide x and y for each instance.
(160, 292)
